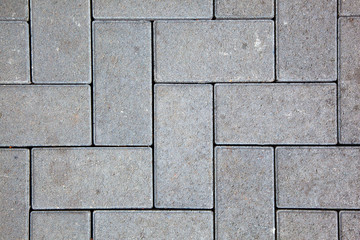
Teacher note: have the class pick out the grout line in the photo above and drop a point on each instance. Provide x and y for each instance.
(214, 166)
(274, 172)
(30, 192)
(251, 83)
(337, 74)
(153, 108)
(338, 224)
(30, 43)
(214, 10)
(92, 77)
(275, 44)
(317, 209)
(124, 209)
(91, 224)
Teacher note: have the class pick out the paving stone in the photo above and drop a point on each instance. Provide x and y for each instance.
(122, 83)
(61, 41)
(306, 40)
(349, 225)
(214, 51)
(14, 192)
(92, 178)
(152, 9)
(244, 193)
(14, 10)
(316, 177)
(14, 49)
(183, 146)
(349, 7)
(45, 115)
(275, 113)
(153, 225)
(60, 225)
(244, 9)
(349, 80)
(307, 225)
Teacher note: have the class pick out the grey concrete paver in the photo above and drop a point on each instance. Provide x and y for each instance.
(349, 7)
(244, 9)
(14, 10)
(349, 225)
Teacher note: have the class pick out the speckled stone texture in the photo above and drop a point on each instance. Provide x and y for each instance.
(349, 225)
(122, 83)
(14, 194)
(306, 40)
(14, 10)
(208, 51)
(156, 225)
(307, 225)
(92, 178)
(14, 52)
(349, 7)
(244, 193)
(244, 8)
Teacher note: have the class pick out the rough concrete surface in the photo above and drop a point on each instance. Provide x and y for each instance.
(14, 10)
(349, 7)
(244, 9)
(349, 225)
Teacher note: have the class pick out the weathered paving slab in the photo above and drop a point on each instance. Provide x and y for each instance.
(349, 76)
(122, 83)
(318, 177)
(60, 225)
(244, 9)
(45, 115)
(349, 7)
(306, 40)
(183, 146)
(275, 113)
(92, 178)
(349, 225)
(14, 10)
(152, 9)
(214, 51)
(153, 225)
(14, 189)
(307, 225)
(244, 193)
(61, 41)
(14, 49)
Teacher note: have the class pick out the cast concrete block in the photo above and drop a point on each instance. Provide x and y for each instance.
(244, 8)
(14, 10)
(349, 225)
(349, 7)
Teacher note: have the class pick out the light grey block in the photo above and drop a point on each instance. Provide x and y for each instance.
(61, 41)
(152, 9)
(14, 194)
(14, 52)
(14, 10)
(307, 225)
(349, 225)
(122, 83)
(244, 8)
(325, 177)
(349, 7)
(349, 80)
(275, 113)
(306, 40)
(45, 115)
(60, 225)
(155, 225)
(214, 51)
(92, 178)
(244, 193)
(183, 146)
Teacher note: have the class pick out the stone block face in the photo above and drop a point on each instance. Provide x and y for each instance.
(45, 115)
(60, 225)
(214, 51)
(244, 193)
(244, 9)
(61, 41)
(318, 177)
(307, 225)
(349, 7)
(14, 49)
(14, 189)
(153, 225)
(92, 178)
(306, 40)
(183, 146)
(122, 83)
(349, 225)
(14, 10)
(275, 113)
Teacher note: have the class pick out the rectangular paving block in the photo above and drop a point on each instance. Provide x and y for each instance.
(349, 225)
(306, 40)
(349, 7)
(14, 10)
(45, 115)
(349, 80)
(155, 225)
(14, 193)
(307, 225)
(244, 8)
(68, 178)
(152, 9)
(244, 193)
(183, 146)
(60, 225)
(122, 83)
(318, 177)
(214, 51)
(275, 113)
(14, 52)
(61, 41)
